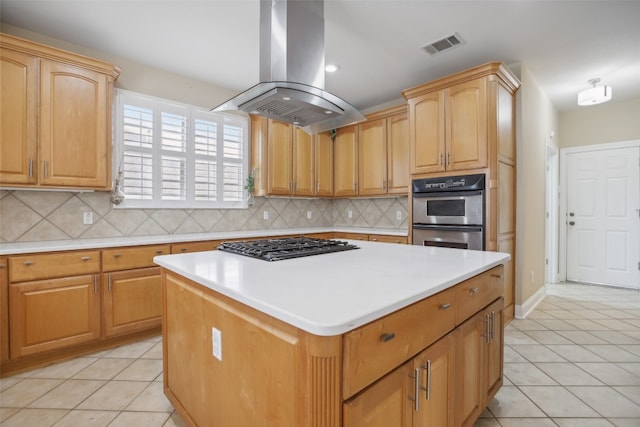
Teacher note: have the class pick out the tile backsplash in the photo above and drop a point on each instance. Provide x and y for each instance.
(28, 216)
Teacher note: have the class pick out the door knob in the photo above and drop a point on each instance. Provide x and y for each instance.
(572, 223)
(571, 214)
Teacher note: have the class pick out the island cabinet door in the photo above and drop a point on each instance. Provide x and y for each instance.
(435, 400)
(388, 402)
(495, 349)
(132, 300)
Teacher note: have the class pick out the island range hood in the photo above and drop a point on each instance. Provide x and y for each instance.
(292, 70)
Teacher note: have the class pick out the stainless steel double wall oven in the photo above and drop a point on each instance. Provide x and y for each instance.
(449, 211)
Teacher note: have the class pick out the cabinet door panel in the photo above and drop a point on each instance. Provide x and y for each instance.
(345, 162)
(495, 349)
(19, 108)
(73, 126)
(398, 154)
(132, 301)
(436, 366)
(372, 161)
(324, 165)
(384, 404)
(470, 360)
(427, 137)
(50, 314)
(303, 163)
(466, 125)
(280, 149)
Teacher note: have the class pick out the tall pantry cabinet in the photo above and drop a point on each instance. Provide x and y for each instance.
(56, 116)
(465, 124)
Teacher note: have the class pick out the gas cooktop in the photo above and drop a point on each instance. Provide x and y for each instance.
(279, 249)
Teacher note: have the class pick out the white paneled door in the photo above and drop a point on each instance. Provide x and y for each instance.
(603, 221)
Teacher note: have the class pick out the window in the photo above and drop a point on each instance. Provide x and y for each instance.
(179, 156)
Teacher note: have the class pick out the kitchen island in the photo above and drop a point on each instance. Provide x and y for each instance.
(381, 335)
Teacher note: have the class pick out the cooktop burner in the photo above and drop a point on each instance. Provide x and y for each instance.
(279, 249)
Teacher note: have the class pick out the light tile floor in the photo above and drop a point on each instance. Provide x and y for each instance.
(574, 362)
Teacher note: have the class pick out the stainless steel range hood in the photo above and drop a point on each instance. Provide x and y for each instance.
(292, 70)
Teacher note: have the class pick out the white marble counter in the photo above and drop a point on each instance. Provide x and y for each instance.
(331, 294)
(68, 245)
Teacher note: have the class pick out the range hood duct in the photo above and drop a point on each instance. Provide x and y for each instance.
(292, 70)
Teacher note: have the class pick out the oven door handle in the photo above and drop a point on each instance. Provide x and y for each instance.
(443, 194)
(467, 228)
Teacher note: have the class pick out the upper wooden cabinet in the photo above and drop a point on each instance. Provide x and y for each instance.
(449, 119)
(56, 115)
(383, 148)
(287, 161)
(345, 162)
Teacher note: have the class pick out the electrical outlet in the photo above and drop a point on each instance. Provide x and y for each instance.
(87, 218)
(349, 213)
(216, 343)
(309, 215)
(399, 215)
(265, 215)
(532, 277)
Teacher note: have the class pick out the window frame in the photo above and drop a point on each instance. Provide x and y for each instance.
(191, 114)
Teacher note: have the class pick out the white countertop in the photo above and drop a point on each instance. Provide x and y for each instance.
(110, 242)
(333, 293)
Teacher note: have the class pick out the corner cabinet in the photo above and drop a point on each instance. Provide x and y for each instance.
(60, 133)
(465, 124)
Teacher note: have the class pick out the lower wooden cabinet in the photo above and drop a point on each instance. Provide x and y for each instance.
(54, 313)
(132, 301)
(4, 310)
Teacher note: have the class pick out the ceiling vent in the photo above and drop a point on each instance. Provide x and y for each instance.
(443, 44)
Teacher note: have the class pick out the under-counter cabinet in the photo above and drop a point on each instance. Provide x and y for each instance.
(54, 301)
(4, 310)
(60, 137)
(132, 291)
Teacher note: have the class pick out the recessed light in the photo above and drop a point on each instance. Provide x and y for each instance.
(286, 98)
(331, 68)
(328, 112)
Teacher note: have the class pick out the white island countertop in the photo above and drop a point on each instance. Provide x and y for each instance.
(333, 293)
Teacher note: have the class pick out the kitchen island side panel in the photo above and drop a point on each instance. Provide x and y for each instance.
(270, 373)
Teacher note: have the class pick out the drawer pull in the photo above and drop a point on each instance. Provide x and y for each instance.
(2, 266)
(183, 249)
(28, 263)
(117, 255)
(474, 290)
(85, 258)
(159, 252)
(387, 337)
(499, 276)
(444, 306)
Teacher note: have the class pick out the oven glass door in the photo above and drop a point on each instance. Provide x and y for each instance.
(449, 237)
(448, 209)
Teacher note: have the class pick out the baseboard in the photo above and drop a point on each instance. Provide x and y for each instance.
(522, 311)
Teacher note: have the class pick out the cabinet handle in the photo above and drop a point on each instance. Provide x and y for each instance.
(487, 329)
(183, 249)
(317, 187)
(444, 306)
(448, 159)
(388, 183)
(493, 324)
(2, 266)
(428, 391)
(387, 336)
(46, 169)
(383, 184)
(109, 285)
(116, 255)
(440, 160)
(499, 276)
(416, 389)
(159, 252)
(85, 258)
(28, 263)
(30, 168)
(473, 291)
(95, 285)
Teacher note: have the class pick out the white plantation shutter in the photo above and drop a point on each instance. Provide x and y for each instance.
(178, 156)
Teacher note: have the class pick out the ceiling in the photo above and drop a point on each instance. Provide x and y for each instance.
(377, 43)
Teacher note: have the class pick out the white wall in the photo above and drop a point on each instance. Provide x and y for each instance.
(613, 121)
(537, 118)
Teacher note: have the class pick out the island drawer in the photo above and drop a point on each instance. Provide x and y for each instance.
(132, 257)
(380, 346)
(476, 293)
(183, 248)
(48, 266)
